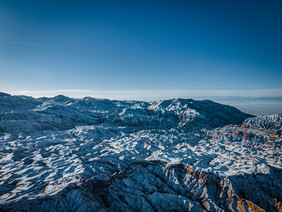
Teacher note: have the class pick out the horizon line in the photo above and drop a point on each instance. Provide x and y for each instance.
(151, 94)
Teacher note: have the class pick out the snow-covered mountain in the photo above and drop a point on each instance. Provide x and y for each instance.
(64, 154)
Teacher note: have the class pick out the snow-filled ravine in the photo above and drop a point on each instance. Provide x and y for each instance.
(64, 154)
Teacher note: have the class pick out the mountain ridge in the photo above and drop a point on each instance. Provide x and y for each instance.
(87, 110)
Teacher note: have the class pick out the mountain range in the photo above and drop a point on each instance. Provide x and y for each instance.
(65, 154)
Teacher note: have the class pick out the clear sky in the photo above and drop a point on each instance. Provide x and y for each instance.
(175, 45)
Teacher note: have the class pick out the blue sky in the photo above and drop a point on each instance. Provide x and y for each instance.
(174, 46)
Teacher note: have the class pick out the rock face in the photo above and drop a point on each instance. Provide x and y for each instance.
(63, 154)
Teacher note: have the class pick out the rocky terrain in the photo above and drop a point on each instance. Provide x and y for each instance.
(64, 154)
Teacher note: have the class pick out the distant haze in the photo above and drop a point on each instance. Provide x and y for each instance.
(253, 105)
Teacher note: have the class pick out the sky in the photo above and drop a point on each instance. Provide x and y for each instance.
(153, 48)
